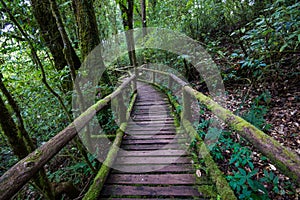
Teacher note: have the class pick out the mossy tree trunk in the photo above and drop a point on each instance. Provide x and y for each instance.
(19, 140)
(144, 18)
(50, 34)
(88, 31)
(127, 19)
(87, 26)
(68, 57)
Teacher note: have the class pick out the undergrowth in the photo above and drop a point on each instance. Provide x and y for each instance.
(247, 171)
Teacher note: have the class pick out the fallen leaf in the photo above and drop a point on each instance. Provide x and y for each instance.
(272, 167)
(198, 173)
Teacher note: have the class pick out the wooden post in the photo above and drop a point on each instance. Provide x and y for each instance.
(186, 103)
(170, 83)
(134, 84)
(121, 108)
(153, 77)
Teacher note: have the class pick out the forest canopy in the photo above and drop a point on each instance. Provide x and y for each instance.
(254, 44)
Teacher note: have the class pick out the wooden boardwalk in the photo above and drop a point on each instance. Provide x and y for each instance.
(152, 162)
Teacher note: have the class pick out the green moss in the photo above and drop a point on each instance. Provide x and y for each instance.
(35, 157)
(208, 191)
(287, 161)
(133, 98)
(223, 189)
(102, 174)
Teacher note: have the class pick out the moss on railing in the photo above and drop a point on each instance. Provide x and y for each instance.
(18, 175)
(286, 160)
(96, 187)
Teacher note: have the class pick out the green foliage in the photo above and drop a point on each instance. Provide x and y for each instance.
(106, 119)
(73, 172)
(244, 178)
(257, 111)
(244, 184)
(253, 68)
(276, 33)
(264, 33)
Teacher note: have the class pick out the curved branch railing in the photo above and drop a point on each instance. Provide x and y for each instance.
(18, 175)
(286, 160)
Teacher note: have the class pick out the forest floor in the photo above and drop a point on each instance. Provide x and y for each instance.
(283, 111)
(283, 116)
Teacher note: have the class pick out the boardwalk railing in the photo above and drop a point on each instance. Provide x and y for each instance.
(18, 175)
(286, 160)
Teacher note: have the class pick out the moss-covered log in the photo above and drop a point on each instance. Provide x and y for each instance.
(101, 176)
(95, 188)
(223, 188)
(286, 160)
(18, 175)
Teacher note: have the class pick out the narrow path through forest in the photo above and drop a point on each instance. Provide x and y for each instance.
(152, 162)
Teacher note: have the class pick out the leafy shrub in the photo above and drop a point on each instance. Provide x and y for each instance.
(257, 112)
(275, 31)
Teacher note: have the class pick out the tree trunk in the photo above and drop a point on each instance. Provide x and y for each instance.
(127, 18)
(87, 25)
(144, 19)
(88, 31)
(50, 33)
(29, 144)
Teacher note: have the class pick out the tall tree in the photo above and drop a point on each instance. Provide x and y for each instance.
(89, 36)
(127, 7)
(87, 26)
(50, 33)
(144, 17)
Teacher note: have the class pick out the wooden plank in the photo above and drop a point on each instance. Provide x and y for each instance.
(151, 160)
(152, 123)
(149, 134)
(142, 102)
(170, 168)
(156, 107)
(157, 98)
(150, 130)
(152, 115)
(174, 191)
(151, 112)
(160, 179)
(152, 153)
(156, 136)
(142, 130)
(146, 118)
(151, 147)
(150, 141)
(151, 103)
(149, 99)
